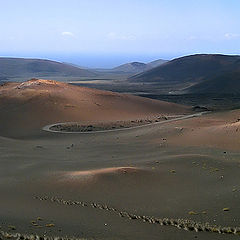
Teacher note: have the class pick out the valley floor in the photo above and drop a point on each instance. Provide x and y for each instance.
(187, 169)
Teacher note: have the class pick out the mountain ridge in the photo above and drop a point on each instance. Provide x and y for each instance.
(31, 67)
(192, 68)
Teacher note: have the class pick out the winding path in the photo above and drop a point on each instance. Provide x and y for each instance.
(48, 127)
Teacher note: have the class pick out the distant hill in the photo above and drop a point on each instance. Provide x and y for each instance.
(190, 69)
(22, 67)
(226, 83)
(133, 67)
(137, 67)
(156, 63)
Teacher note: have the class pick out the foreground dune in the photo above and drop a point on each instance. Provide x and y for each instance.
(31, 105)
(92, 177)
(102, 171)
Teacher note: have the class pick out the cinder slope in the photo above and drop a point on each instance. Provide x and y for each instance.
(31, 105)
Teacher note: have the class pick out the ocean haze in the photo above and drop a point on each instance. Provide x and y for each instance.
(92, 60)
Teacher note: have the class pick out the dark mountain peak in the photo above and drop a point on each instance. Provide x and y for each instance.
(192, 69)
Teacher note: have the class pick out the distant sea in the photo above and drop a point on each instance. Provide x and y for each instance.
(91, 60)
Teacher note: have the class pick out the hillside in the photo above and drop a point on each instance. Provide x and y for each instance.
(226, 83)
(32, 104)
(190, 69)
(21, 67)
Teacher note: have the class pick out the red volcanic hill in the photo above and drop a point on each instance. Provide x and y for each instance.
(30, 105)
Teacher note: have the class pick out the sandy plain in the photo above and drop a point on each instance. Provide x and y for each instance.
(184, 170)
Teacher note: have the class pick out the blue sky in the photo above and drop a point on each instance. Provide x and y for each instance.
(105, 33)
